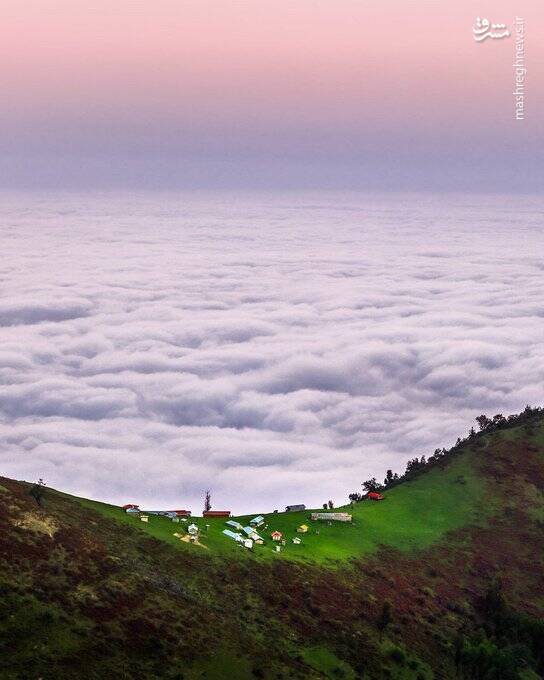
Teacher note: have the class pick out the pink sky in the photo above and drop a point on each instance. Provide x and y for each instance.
(304, 80)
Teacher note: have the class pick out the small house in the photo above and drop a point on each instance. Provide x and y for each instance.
(144, 518)
(257, 521)
(295, 508)
(234, 525)
(251, 533)
(132, 511)
(374, 496)
(192, 529)
(248, 543)
(332, 516)
(182, 513)
(216, 513)
(297, 540)
(130, 506)
(233, 535)
(303, 529)
(276, 535)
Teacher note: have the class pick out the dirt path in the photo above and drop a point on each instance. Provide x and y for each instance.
(187, 539)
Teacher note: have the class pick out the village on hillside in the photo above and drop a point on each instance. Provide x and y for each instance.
(258, 530)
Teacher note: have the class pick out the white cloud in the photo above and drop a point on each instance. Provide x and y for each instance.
(270, 350)
(20, 312)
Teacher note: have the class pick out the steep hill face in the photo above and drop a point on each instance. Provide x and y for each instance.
(443, 579)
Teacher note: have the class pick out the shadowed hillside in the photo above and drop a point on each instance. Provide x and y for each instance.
(443, 579)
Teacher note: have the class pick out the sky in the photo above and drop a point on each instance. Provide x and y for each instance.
(275, 348)
(267, 94)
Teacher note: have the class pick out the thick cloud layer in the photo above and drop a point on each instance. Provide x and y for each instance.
(275, 349)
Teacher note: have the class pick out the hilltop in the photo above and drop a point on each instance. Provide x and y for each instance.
(415, 515)
(442, 579)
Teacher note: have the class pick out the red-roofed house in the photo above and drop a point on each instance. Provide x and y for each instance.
(276, 535)
(216, 513)
(375, 496)
(130, 506)
(182, 513)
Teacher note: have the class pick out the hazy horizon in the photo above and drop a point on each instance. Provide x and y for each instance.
(267, 95)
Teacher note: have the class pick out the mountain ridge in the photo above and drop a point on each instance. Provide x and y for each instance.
(107, 599)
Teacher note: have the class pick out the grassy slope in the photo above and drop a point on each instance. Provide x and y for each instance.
(414, 515)
(119, 598)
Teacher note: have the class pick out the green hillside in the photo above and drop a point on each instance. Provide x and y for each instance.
(413, 515)
(442, 579)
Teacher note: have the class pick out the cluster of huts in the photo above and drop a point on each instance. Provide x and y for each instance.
(174, 515)
(245, 536)
(248, 536)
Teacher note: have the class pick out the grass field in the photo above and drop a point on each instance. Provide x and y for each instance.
(412, 516)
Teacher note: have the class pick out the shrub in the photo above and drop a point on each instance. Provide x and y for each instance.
(397, 655)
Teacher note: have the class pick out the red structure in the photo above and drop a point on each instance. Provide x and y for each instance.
(130, 505)
(375, 496)
(216, 513)
(182, 513)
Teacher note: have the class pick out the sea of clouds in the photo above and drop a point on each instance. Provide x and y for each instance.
(273, 348)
